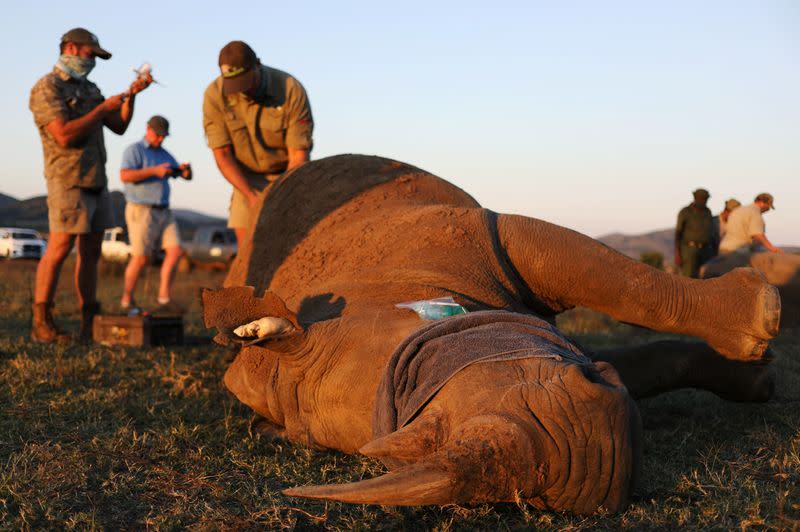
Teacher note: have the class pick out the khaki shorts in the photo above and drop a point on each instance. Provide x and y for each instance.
(76, 210)
(150, 229)
(241, 215)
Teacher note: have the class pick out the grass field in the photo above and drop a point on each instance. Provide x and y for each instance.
(123, 438)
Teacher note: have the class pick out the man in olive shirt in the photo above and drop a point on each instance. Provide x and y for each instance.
(258, 123)
(70, 114)
(694, 235)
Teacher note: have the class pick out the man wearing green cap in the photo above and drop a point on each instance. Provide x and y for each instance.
(694, 235)
(746, 227)
(70, 113)
(258, 123)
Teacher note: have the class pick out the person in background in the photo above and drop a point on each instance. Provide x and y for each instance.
(694, 235)
(258, 124)
(71, 113)
(721, 222)
(146, 169)
(746, 227)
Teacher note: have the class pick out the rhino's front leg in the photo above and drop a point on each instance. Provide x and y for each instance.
(737, 314)
(659, 367)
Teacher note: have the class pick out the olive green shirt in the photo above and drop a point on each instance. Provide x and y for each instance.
(695, 225)
(57, 95)
(260, 132)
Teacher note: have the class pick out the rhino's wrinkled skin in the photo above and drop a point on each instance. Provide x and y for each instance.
(780, 269)
(339, 241)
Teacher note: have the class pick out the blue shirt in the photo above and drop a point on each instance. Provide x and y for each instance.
(153, 190)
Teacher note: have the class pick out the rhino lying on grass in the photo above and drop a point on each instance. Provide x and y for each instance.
(493, 405)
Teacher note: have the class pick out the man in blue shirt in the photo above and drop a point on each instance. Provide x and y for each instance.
(146, 169)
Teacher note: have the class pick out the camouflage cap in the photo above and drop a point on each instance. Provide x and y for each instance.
(237, 62)
(766, 197)
(701, 193)
(732, 204)
(159, 125)
(84, 36)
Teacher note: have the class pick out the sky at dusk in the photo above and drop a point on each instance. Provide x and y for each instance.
(599, 116)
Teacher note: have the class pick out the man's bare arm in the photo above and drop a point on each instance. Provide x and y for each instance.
(134, 175)
(69, 133)
(118, 122)
(764, 241)
(231, 171)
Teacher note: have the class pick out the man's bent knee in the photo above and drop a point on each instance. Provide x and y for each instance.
(58, 247)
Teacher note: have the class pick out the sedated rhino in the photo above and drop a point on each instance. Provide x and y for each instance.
(494, 405)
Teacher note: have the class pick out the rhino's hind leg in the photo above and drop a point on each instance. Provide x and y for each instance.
(650, 369)
(737, 314)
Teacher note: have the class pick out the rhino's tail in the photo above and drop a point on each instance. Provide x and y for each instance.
(482, 462)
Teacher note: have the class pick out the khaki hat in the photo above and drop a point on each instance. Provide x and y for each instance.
(159, 125)
(767, 198)
(84, 36)
(732, 204)
(701, 193)
(237, 62)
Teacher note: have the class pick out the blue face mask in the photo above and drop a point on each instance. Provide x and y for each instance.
(77, 67)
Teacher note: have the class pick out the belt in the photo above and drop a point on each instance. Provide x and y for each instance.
(159, 207)
(699, 245)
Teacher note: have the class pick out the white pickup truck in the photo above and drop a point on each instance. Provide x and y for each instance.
(115, 246)
(16, 243)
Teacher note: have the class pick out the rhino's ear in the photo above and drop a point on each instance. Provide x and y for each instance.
(228, 308)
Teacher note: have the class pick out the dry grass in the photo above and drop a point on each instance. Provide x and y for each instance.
(98, 437)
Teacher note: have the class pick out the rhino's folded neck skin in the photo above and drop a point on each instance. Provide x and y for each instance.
(560, 435)
(595, 430)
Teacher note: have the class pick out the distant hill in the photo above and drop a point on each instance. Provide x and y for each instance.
(6, 200)
(661, 241)
(32, 213)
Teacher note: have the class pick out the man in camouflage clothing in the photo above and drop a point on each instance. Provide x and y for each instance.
(70, 113)
(695, 242)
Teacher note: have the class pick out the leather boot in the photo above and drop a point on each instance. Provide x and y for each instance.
(88, 312)
(43, 328)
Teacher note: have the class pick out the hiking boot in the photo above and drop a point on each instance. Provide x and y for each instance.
(88, 312)
(43, 328)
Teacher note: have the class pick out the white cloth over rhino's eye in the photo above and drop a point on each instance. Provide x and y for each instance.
(267, 326)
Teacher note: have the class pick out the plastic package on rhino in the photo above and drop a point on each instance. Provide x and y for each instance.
(434, 309)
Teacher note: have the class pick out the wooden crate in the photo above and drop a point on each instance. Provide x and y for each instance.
(138, 331)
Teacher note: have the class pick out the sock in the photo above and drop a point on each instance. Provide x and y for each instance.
(163, 300)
